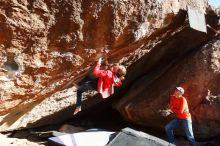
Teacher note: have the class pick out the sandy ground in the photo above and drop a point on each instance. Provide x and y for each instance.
(5, 141)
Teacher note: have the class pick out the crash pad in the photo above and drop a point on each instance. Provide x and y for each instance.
(130, 137)
(94, 138)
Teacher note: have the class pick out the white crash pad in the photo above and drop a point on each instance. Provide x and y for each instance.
(95, 138)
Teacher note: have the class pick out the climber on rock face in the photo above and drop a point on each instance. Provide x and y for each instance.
(104, 82)
(179, 106)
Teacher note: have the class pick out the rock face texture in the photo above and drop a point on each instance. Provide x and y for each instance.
(47, 46)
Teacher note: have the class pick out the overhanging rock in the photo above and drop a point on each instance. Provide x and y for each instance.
(130, 137)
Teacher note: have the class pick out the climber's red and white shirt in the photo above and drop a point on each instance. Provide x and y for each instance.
(107, 81)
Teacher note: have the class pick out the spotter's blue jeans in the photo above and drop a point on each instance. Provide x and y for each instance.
(187, 125)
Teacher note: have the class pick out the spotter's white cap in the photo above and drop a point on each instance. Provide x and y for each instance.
(180, 89)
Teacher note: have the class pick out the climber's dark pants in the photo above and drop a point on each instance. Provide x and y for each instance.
(85, 86)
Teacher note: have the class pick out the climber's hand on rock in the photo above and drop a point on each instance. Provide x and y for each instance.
(122, 78)
(100, 61)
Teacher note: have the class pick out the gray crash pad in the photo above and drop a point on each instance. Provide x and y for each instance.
(130, 137)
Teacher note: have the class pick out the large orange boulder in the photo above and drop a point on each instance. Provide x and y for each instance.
(46, 47)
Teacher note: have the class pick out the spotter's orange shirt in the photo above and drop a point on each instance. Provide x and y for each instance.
(180, 107)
